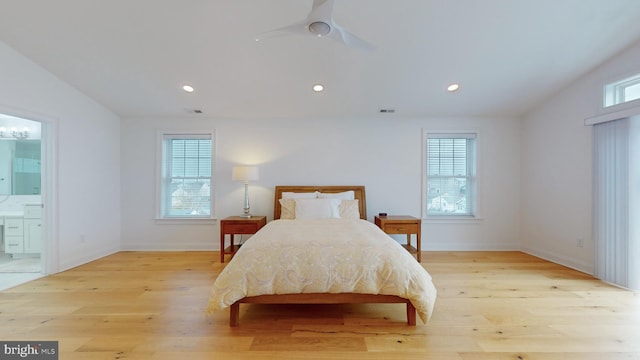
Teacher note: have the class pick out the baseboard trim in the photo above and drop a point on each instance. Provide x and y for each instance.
(561, 260)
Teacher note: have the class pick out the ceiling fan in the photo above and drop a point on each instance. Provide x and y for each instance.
(319, 23)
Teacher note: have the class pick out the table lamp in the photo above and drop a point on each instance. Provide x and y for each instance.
(246, 174)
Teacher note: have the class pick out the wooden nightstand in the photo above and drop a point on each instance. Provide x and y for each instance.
(402, 224)
(236, 225)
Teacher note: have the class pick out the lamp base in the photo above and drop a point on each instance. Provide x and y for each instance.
(247, 207)
(246, 213)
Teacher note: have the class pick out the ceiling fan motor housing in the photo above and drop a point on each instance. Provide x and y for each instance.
(320, 28)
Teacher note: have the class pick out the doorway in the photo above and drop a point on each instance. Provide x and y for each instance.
(22, 239)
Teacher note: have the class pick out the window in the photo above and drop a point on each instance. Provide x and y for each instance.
(622, 91)
(450, 174)
(186, 178)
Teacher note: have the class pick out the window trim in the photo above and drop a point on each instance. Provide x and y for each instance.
(613, 93)
(475, 215)
(160, 143)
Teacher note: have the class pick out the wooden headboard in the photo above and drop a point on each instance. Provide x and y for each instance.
(358, 192)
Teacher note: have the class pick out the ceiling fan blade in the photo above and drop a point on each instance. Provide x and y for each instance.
(321, 10)
(340, 34)
(319, 22)
(298, 28)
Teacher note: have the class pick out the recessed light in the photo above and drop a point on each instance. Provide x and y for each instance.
(188, 88)
(318, 87)
(453, 87)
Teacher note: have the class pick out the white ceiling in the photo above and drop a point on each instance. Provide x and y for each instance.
(132, 55)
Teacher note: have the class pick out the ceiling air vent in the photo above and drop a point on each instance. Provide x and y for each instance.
(385, 111)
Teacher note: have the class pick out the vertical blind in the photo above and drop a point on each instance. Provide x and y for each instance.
(614, 203)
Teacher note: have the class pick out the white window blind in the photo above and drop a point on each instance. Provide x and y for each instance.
(450, 174)
(616, 174)
(187, 175)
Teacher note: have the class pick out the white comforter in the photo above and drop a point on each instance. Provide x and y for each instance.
(323, 256)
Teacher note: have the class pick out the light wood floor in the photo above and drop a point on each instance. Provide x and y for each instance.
(491, 305)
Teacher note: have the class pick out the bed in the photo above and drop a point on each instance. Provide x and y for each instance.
(305, 256)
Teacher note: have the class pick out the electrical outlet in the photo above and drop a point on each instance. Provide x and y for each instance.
(580, 243)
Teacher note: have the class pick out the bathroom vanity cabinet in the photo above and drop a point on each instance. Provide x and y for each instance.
(22, 232)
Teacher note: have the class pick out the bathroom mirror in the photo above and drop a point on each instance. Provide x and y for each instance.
(20, 167)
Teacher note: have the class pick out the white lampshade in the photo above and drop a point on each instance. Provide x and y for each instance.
(245, 173)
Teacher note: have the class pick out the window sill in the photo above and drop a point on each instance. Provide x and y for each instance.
(452, 220)
(186, 221)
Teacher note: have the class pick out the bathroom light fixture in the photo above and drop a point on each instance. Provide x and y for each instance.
(453, 87)
(318, 87)
(188, 88)
(246, 174)
(13, 133)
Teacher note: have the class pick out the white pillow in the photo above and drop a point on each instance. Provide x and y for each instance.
(317, 208)
(295, 195)
(346, 195)
(349, 209)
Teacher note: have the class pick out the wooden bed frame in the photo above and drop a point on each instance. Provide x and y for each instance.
(321, 298)
(358, 192)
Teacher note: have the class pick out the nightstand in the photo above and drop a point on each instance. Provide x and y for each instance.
(236, 225)
(402, 224)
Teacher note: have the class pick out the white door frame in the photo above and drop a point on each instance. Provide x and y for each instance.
(49, 185)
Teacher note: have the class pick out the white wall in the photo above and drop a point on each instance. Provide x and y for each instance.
(87, 217)
(534, 176)
(556, 166)
(384, 154)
